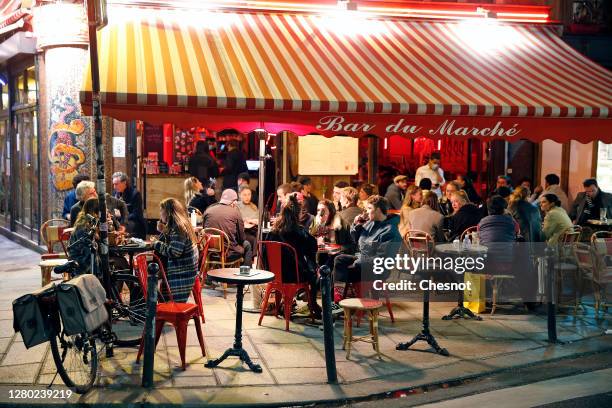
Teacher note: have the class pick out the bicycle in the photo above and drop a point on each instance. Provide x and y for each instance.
(76, 356)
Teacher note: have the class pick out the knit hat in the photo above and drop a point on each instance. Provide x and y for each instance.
(228, 196)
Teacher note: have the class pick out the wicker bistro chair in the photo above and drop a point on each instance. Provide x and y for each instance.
(52, 235)
(601, 277)
(567, 268)
(217, 253)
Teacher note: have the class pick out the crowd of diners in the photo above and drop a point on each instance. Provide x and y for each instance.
(362, 223)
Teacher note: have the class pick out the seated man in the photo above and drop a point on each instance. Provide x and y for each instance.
(376, 235)
(225, 216)
(84, 190)
(71, 198)
(133, 199)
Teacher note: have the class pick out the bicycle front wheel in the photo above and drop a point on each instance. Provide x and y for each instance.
(76, 359)
(128, 309)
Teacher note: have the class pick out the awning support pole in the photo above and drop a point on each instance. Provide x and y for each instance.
(97, 128)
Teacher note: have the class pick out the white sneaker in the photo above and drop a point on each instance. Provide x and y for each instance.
(337, 309)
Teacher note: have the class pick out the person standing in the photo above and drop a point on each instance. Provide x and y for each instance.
(133, 199)
(396, 192)
(432, 171)
(201, 164)
(233, 165)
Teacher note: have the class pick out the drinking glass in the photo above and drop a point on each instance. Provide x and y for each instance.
(603, 214)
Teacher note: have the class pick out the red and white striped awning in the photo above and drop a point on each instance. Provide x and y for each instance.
(316, 74)
(12, 13)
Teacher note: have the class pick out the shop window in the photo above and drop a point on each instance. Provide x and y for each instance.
(5, 96)
(32, 85)
(604, 166)
(20, 94)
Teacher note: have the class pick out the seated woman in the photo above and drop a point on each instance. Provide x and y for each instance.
(365, 191)
(197, 195)
(427, 218)
(556, 220)
(412, 200)
(177, 247)
(84, 237)
(287, 229)
(250, 214)
(465, 215)
(327, 223)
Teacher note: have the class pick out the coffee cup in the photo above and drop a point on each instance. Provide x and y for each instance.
(244, 270)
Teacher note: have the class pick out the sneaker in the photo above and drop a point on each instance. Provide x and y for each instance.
(337, 309)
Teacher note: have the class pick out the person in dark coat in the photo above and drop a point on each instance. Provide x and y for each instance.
(133, 199)
(198, 194)
(84, 236)
(396, 192)
(177, 245)
(201, 164)
(376, 235)
(288, 229)
(233, 165)
(310, 199)
(466, 184)
(589, 203)
(225, 216)
(497, 231)
(71, 198)
(465, 215)
(527, 215)
(84, 190)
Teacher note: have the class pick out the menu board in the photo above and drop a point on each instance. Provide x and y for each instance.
(320, 155)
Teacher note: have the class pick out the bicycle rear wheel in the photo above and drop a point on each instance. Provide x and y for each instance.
(128, 308)
(76, 359)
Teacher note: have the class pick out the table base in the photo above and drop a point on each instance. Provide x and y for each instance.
(461, 312)
(424, 336)
(234, 352)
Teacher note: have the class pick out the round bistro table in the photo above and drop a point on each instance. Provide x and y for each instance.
(452, 249)
(232, 276)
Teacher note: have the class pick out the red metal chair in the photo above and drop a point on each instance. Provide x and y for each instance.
(52, 234)
(203, 244)
(177, 314)
(272, 251)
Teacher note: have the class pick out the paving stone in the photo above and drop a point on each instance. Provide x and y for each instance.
(194, 381)
(6, 328)
(233, 372)
(4, 343)
(491, 329)
(350, 371)
(300, 375)
(17, 354)
(275, 336)
(224, 327)
(24, 374)
(291, 355)
(193, 357)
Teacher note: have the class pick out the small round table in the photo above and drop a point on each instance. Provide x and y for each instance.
(232, 276)
(130, 250)
(458, 250)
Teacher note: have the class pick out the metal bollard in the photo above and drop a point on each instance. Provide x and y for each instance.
(550, 295)
(328, 325)
(149, 332)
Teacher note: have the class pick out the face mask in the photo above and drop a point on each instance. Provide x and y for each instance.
(435, 167)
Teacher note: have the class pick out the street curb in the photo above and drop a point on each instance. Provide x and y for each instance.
(356, 391)
(18, 239)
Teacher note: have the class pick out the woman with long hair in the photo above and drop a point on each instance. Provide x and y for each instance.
(84, 236)
(177, 245)
(526, 214)
(287, 229)
(412, 200)
(197, 194)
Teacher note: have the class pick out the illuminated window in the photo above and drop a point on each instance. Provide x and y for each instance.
(32, 85)
(604, 166)
(21, 92)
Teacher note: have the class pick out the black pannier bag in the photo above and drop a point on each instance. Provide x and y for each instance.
(30, 320)
(81, 303)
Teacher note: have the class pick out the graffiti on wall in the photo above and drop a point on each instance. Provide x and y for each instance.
(66, 147)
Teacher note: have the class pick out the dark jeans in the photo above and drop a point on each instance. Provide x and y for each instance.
(345, 269)
(247, 254)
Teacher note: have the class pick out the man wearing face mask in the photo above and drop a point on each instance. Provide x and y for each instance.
(432, 171)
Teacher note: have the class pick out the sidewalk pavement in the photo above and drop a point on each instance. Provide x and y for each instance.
(293, 362)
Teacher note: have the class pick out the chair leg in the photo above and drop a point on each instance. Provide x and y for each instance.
(349, 329)
(198, 326)
(375, 334)
(264, 305)
(287, 303)
(494, 296)
(181, 339)
(389, 308)
(225, 291)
